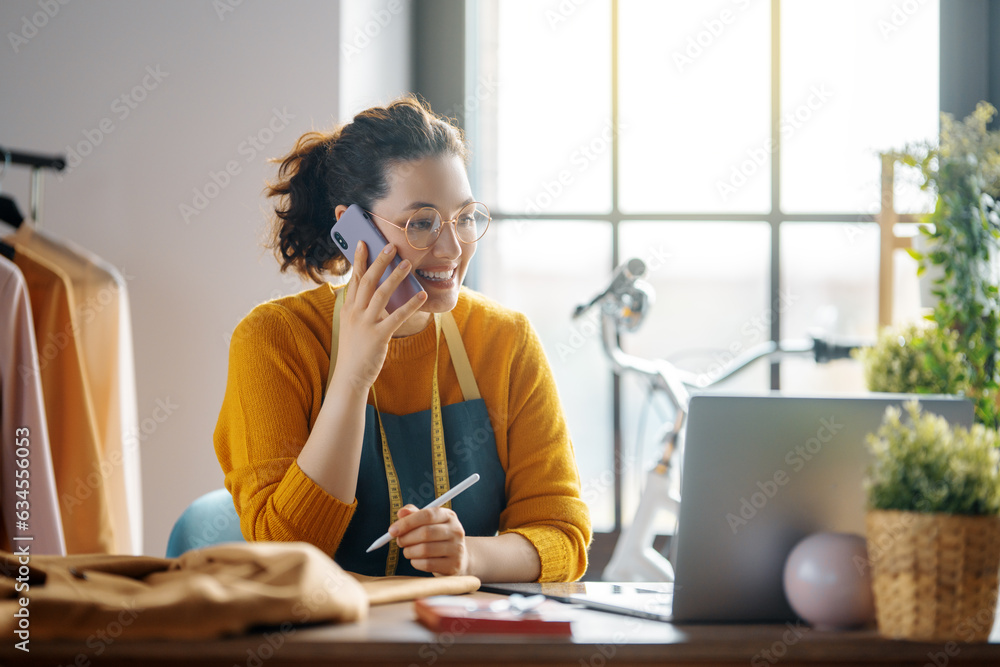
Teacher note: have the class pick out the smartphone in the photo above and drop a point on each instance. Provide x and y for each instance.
(355, 225)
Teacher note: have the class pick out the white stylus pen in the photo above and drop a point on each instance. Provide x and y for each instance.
(437, 502)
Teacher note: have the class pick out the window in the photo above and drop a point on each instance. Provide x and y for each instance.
(733, 145)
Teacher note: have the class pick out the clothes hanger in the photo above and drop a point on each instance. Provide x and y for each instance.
(9, 212)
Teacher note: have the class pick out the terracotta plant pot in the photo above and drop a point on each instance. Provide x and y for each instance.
(934, 576)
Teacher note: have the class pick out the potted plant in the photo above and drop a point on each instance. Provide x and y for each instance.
(962, 237)
(933, 527)
(914, 358)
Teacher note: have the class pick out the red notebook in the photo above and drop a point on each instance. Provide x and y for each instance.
(460, 615)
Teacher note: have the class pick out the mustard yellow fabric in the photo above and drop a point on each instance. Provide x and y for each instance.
(278, 364)
(220, 590)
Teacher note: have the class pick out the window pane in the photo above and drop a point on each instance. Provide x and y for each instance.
(711, 285)
(830, 286)
(544, 269)
(858, 77)
(695, 104)
(554, 106)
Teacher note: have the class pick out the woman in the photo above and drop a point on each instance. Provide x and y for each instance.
(326, 432)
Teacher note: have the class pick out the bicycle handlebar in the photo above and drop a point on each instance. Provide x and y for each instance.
(826, 351)
(624, 304)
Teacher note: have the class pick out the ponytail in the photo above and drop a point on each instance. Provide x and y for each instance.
(348, 165)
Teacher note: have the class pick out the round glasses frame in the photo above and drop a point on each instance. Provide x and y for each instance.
(474, 206)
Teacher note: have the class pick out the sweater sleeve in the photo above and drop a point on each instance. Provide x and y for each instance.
(543, 483)
(266, 417)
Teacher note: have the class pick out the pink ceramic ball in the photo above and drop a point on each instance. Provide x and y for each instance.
(828, 581)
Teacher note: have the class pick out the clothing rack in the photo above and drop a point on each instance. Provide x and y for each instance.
(57, 162)
(37, 163)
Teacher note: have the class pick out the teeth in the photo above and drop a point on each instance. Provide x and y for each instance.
(435, 275)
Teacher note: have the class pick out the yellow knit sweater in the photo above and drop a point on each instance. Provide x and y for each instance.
(278, 363)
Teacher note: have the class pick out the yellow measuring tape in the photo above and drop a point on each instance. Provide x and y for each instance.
(438, 457)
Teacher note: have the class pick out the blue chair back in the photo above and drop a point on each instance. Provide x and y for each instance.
(211, 519)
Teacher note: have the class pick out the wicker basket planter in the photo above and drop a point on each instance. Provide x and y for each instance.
(935, 576)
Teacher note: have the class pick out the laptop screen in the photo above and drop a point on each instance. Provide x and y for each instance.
(759, 473)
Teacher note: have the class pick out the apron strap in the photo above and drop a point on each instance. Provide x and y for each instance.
(334, 334)
(459, 357)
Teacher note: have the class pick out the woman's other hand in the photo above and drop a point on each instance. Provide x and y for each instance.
(432, 539)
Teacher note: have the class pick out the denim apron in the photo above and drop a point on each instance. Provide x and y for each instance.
(470, 447)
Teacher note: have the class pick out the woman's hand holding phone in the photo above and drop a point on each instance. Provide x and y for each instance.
(365, 325)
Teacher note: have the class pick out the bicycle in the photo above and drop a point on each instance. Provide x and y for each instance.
(623, 305)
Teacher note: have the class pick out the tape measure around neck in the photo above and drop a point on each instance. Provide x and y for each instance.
(438, 455)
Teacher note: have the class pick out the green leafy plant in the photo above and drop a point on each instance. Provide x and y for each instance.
(964, 240)
(924, 465)
(914, 358)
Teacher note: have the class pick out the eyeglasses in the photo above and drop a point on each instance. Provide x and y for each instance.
(424, 227)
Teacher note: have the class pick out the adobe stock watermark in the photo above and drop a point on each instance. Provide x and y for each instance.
(757, 158)
(704, 39)
(464, 450)
(485, 88)
(55, 342)
(968, 629)
(252, 328)
(562, 13)
(604, 653)
(363, 35)
(315, 602)
(779, 649)
(859, 230)
(248, 149)
(430, 652)
(121, 108)
(580, 160)
(87, 485)
(31, 25)
(797, 458)
(899, 16)
(752, 330)
(102, 639)
(223, 7)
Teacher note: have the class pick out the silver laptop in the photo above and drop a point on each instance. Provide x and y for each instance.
(759, 474)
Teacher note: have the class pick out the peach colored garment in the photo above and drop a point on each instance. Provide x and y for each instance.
(103, 324)
(22, 413)
(76, 456)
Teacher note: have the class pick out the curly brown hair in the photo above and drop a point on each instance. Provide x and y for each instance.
(348, 165)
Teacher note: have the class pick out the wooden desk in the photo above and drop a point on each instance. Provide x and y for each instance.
(391, 636)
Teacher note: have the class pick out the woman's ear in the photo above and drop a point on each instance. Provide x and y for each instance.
(339, 211)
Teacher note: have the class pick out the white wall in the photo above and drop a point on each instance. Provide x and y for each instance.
(228, 70)
(375, 46)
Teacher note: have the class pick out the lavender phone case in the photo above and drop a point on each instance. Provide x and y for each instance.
(354, 226)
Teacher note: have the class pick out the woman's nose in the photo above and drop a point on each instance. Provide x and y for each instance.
(447, 244)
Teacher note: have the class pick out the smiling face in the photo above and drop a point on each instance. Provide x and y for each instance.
(439, 182)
